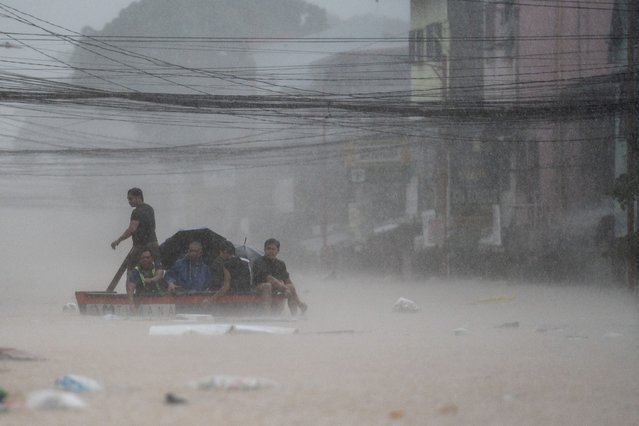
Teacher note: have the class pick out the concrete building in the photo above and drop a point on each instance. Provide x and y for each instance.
(523, 189)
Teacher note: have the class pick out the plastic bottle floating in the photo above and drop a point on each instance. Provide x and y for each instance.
(77, 384)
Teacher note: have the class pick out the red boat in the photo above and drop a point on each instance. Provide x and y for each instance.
(106, 302)
(111, 302)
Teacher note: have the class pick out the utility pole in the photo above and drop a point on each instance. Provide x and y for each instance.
(443, 187)
(631, 131)
(324, 195)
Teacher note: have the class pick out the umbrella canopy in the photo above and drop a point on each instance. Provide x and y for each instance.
(177, 245)
(248, 252)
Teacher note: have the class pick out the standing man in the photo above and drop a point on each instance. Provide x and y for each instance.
(189, 274)
(271, 270)
(141, 229)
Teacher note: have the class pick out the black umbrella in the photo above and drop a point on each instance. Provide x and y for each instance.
(248, 252)
(177, 245)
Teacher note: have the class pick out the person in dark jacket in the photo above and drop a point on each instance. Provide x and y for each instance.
(234, 275)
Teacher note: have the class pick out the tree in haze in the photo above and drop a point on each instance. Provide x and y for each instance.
(190, 47)
(240, 18)
(122, 59)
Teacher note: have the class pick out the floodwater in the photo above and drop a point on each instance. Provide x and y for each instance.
(476, 353)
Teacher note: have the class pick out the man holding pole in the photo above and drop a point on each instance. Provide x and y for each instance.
(141, 228)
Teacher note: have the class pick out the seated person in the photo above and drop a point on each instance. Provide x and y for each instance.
(189, 274)
(235, 275)
(145, 278)
(220, 278)
(270, 270)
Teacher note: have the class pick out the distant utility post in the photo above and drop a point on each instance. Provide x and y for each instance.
(631, 134)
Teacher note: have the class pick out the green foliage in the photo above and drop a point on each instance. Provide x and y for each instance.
(626, 189)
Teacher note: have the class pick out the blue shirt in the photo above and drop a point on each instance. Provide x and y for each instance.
(190, 277)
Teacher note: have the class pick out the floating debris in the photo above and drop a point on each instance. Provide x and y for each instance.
(51, 399)
(448, 409)
(612, 335)
(510, 397)
(513, 324)
(18, 355)
(77, 384)
(182, 329)
(576, 336)
(70, 307)
(233, 383)
(111, 317)
(348, 331)
(550, 329)
(396, 414)
(194, 317)
(262, 329)
(497, 299)
(461, 331)
(405, 305)
(173, 399)
(217, 329)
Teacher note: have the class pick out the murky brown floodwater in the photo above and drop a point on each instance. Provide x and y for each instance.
(572, 359)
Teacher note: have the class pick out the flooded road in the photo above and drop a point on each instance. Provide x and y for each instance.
(477, 352)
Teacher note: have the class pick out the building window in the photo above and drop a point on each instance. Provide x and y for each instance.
(416, 46)
(500, 26)
(617, 50)
(508, 27)
(434, 41)
(491, 30)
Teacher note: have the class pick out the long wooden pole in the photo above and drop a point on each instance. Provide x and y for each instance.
(118, 275)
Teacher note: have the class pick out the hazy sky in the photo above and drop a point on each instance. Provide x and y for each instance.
(76, 14)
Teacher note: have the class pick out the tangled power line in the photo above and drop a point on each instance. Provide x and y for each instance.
(267, 114)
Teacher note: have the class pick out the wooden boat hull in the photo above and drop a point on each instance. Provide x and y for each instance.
(105, 302)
